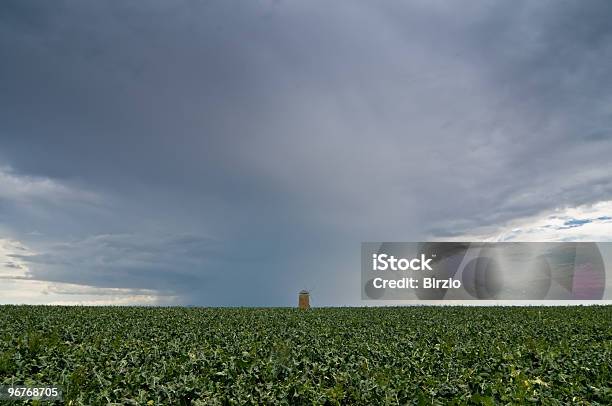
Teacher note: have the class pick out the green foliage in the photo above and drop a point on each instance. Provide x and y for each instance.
(409, 355)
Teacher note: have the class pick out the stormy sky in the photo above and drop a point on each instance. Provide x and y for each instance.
(234, 152)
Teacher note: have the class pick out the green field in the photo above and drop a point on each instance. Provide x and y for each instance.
(414, 355)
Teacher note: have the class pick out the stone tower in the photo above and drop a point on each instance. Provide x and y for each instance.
(304, 300)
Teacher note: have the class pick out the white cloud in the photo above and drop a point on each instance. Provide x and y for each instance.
(580, 223)
(22, 291)
(12, 266)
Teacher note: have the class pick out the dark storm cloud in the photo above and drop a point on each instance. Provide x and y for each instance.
(289, 132)
(130, 261)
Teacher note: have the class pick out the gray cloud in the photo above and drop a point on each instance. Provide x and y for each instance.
(289, 132)
(169, 265)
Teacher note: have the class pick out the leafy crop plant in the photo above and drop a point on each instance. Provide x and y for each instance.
(354, 356)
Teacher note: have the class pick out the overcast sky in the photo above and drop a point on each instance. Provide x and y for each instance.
(235, 152)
